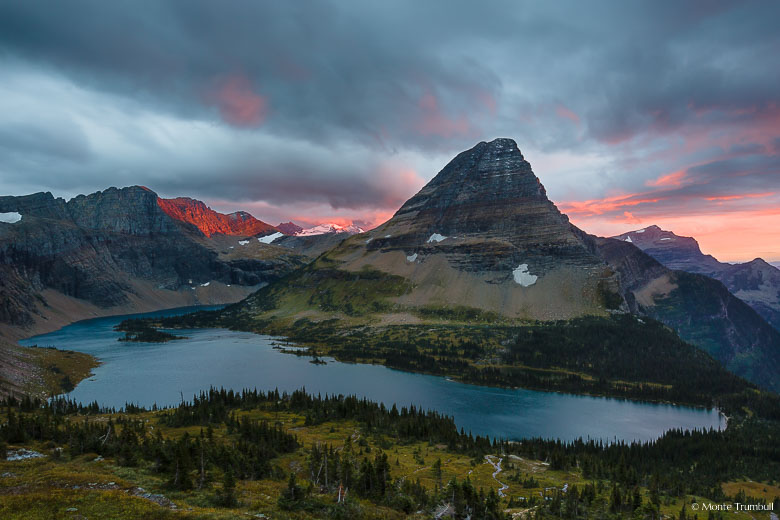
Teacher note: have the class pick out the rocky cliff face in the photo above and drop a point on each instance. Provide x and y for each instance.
(210, 222)
(757, 282)
(112, 249)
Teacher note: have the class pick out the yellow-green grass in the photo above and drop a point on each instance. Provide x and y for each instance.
(48, 487)
(752, 489)
(59, 370)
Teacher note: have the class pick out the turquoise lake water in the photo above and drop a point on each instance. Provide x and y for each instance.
(146, 374)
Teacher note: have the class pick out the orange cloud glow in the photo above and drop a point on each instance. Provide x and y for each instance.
(729, 236)
(601, 206)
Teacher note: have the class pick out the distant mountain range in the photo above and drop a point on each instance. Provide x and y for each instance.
(756, 282)
(482, 235)
(322, 229)
(290, 228)
(239, 223)
(124, 250)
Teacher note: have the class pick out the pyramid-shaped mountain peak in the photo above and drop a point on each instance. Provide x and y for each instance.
(488, 194)
(495, 169)
(483, 231)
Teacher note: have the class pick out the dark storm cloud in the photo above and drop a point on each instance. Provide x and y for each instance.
(335, 102)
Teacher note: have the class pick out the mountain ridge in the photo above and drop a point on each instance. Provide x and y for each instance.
(113, 249)
(756, 282)
(210, 222)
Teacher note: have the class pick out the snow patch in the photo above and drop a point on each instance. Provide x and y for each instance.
(243, 242)
(628, 239)
(369, 240)
(205, 284)
(412, 258)
(640, 230)
(523, 277)
(10, 218)
(666, 238)
(436, 238)
(270, 238)
(388, 236)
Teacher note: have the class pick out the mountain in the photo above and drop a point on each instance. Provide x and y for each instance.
(316, 240)
(757, 282)
(289, 228)
(119, 251)
(210, 222)
(481, 242)
(323, 229)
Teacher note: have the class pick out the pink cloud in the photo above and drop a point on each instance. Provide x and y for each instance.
(488, 101)
(239, 104)
(739, 197)
(605, 205)
(566, 113)
(673, 179)
(630, 217)
(433, 121)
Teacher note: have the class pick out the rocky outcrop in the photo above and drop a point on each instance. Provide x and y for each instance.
(757, 282)
(210, 222)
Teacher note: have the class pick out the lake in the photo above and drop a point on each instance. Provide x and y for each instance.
(146, 374)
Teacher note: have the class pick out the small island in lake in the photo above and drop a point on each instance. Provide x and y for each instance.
(142, 332)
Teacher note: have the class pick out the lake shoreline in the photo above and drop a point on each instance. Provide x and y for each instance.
(149, 374)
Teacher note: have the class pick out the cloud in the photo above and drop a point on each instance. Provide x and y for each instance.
(238, 104)
(325, 107)
(565, 113)
(670, 179)
(433, 121)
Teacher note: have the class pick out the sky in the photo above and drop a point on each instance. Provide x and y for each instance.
(631, 113)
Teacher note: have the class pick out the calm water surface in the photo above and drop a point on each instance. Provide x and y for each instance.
(145, 374)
